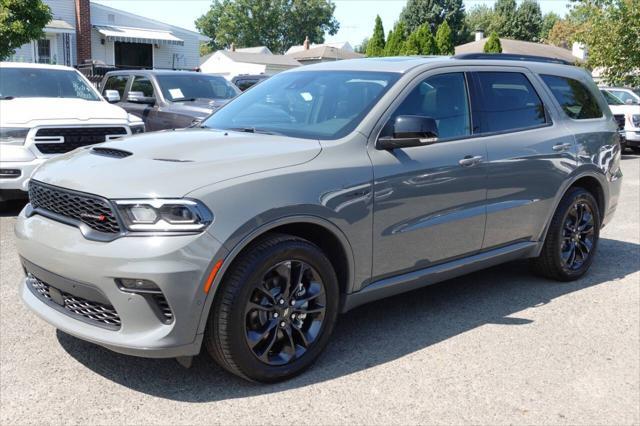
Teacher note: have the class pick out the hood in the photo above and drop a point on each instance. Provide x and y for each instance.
(200, 107)
(25, 111)
(625, 109)
(175, 162)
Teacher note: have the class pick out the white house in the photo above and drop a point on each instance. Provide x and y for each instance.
(231, 63)
(82, 30)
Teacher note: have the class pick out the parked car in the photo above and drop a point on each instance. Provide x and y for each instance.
(245, 81)
(167, 99)
(625, 94)
(46, 110)
(319, 190)
(628, 118)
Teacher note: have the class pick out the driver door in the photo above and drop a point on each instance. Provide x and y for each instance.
(429, 201)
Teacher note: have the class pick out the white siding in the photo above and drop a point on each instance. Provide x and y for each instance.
(23, 54)
(187, 56)
(99, 51)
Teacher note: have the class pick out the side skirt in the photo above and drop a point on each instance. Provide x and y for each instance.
(435, 274)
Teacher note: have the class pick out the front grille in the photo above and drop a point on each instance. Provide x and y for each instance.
(70, 138)
(620, 120)
(111, 152)
(74, 306)
(94, 211)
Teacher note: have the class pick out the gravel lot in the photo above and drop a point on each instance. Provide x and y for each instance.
(494, 347)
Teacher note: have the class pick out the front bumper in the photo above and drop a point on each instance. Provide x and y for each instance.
(21, 182)
(177, 264)
(632, 138)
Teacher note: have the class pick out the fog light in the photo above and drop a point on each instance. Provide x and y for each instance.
(136, 285)
(9, 173)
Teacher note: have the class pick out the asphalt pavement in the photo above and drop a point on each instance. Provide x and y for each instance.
(496, 347)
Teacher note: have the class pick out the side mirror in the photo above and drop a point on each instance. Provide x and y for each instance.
(409, 131)
(112, 96)
(140, 98)
(630, 102)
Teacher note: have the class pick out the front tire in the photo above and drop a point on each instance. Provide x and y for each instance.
(275, 310)
(572, 239)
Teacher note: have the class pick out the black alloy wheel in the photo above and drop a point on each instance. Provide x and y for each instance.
(285, 312)
(578, 236)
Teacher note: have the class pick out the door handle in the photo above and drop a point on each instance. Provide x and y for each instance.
(470, 160)
(562, 147)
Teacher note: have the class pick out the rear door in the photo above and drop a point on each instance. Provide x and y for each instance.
(530, 152)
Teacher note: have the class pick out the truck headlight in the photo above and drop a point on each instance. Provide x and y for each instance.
(137, 128)
(13, 135)
(164, 215)
(635, 120)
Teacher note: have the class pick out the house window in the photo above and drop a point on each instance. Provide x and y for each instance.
(111, 18)
(44, 51)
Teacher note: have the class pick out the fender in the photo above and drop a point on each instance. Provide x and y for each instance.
(247, 239)
(584, 171)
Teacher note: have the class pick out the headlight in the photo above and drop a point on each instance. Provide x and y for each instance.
(13, 135)
(137, 128)
(164, 215)
(635, 120)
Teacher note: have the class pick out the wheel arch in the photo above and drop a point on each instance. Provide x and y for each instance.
(317, 230)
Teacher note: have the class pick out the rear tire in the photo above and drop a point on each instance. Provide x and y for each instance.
(572, 239)
(274, 311)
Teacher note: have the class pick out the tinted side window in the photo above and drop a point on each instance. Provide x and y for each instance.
(624, 96)
(143, 87)
(575, 99)
(442, 97)
(505, 101)
(117, 82)
(245, 84)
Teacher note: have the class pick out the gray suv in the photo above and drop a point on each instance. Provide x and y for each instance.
(167, 99)
(316, 191)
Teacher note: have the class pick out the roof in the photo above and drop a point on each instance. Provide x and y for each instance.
(255, 49)
(325, 52)
(58, 25)
(136, 35)
(256, 58)
(34, 65)
(519, 47)
(338, 45)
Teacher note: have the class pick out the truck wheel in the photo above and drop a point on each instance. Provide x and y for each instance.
(572, 238)
(275, 310)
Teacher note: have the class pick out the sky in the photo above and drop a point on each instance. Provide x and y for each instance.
(356, 17)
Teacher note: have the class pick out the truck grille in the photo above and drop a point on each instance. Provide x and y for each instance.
(69, 138)
(620, 120)
(92, 210)
(74, 306)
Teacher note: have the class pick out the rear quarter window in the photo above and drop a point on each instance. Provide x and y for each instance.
(575, 98)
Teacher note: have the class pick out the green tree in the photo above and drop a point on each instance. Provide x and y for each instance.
(493, 44)
(396, 40)
(434, 13)
(611, 32)
(562, 34)
(528, 20)
(277, 24)
(375, 47)
(444, 40)
(20, 22)
(420, 42)
(548, 21)
(362, 47)
(504, 18)
(480, 17)
(411, 46)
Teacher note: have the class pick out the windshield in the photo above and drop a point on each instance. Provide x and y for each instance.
(611, 100)
(305, 104)
(191, 86)
(44, 83)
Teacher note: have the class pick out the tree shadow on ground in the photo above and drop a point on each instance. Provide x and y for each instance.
(370, 335)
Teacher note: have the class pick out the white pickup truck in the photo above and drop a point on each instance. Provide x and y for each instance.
(628, 117)
(48, 110)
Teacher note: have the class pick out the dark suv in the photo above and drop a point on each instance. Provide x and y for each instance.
(318, 190)
(167, 99)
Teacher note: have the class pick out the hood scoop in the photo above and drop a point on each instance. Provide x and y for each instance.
(111, 152)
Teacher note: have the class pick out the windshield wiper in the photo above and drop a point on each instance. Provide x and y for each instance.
(183, 100)
(252, 130)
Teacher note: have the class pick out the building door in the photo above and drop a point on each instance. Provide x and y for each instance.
(133, 55)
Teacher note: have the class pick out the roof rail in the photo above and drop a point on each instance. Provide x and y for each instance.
(511, 57)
